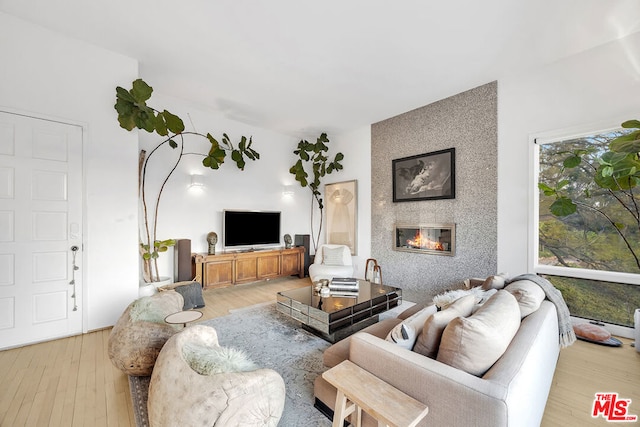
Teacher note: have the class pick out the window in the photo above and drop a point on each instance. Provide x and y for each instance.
(586, 232)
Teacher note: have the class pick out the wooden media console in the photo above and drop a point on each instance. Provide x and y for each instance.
(228, 269)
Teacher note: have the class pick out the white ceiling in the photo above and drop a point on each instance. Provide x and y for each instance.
(302, 67)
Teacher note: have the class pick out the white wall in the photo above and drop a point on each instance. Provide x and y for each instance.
(49, 75)
(601, 84)
(356, 147)
(190, 213)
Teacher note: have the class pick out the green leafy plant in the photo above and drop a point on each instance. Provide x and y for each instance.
(313, 159)
(615, 172)
(135, 113)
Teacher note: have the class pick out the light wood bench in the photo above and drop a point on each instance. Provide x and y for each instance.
(359, 390)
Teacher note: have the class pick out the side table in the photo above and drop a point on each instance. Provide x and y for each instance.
(359, 390)
(183, 317)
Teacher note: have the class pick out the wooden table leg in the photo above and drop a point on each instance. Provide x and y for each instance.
(343, 409)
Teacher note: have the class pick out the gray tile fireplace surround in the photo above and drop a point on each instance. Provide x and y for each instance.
(468, 122)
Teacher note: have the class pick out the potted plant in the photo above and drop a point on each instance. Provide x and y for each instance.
(314, 156)
(133, 112)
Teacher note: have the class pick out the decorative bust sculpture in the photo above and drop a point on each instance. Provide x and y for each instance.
(212, 239)
(287, 241)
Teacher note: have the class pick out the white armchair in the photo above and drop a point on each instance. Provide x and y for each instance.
(331, 261)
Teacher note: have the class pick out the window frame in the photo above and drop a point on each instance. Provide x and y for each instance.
(536, 140)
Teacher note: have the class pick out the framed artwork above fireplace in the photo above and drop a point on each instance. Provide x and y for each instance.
(428, 176)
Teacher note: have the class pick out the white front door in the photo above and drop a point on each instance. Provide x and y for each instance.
(40, 230)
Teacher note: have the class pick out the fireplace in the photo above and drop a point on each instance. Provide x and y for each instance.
(435, 239)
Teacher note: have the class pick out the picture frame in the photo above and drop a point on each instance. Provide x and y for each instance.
(428, 176)
(341, 202)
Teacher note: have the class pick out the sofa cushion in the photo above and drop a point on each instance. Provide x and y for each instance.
(528, 294)
(332, 256)
(405, 333)
(494, 282)
(428, 341)
(473, 344)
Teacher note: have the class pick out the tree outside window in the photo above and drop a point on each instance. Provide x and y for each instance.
(589, 219)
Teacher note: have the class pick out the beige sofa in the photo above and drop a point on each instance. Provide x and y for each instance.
(513, 392)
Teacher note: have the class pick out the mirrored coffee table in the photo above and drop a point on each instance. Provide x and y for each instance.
(335, 317)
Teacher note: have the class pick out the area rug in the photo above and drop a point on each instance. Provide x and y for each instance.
(274, 341)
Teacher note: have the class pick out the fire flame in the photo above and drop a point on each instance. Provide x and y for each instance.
(423, 242)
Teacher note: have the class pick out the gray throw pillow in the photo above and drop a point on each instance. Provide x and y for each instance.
(192, 295)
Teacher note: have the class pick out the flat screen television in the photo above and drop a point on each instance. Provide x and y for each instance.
(250, 229)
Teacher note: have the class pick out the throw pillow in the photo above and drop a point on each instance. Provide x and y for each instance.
(428, 341)
(191, 293)
(404, 334)
(494, 282)
(445, 299)
(591, 332)
(332, 256)
(473, 344)
(209, 360)
(528, 294)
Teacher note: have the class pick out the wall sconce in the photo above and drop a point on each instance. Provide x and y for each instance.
(196, 181)
(287, 190)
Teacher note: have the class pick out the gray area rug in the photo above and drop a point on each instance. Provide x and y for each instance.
(274, 341)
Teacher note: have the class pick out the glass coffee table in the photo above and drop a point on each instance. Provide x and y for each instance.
(334, 317)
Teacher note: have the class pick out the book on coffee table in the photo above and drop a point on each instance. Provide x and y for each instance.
(343, 287)
(345, 280)
(343, 283)
(343, 293)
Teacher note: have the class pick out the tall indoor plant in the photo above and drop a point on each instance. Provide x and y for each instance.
(133, 112)
(314, 158)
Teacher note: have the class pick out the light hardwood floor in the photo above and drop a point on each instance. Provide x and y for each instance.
(71, 382)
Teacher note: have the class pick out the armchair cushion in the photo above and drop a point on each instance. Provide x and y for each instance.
(213, 359)
(321, 270)
(332, 256)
